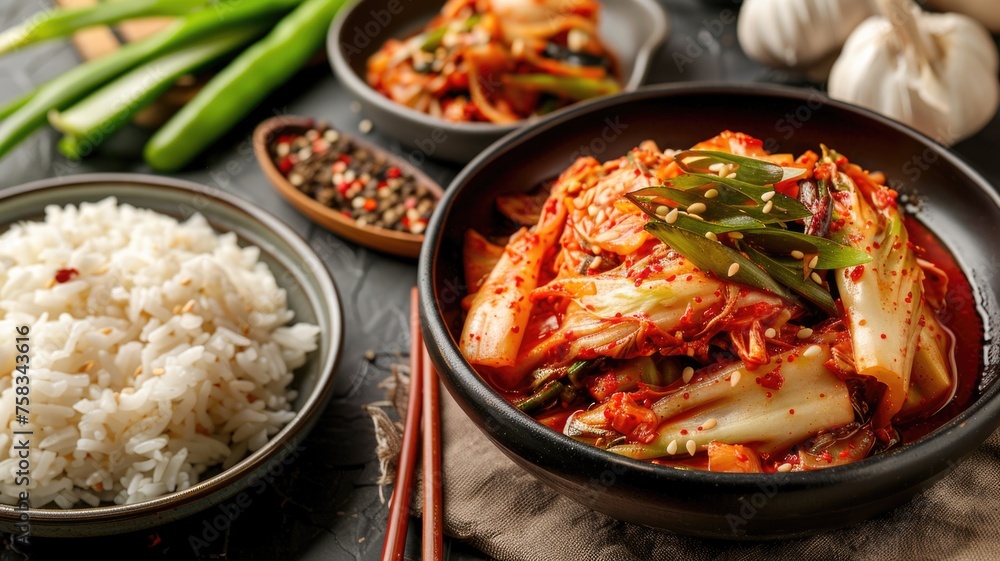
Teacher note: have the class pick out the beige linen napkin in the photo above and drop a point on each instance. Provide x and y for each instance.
(508, 514)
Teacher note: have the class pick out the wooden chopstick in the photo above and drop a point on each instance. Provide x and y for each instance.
(399, 504)
(433, 537)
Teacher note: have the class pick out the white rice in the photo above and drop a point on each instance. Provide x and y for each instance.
(167, 355)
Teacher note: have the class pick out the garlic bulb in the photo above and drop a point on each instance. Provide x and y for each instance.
(797, 33)
(986, 12)
(934, 72)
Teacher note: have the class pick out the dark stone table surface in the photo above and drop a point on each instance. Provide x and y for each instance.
(327, 505)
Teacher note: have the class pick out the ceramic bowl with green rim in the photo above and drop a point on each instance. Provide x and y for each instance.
(310, 294)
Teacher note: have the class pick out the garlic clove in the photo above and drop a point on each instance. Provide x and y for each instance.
(939, 76)
(797, 33)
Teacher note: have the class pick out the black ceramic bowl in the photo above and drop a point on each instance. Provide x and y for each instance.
(960, 207)
(633, 29)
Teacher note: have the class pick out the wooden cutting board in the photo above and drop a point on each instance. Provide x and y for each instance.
(96, 42)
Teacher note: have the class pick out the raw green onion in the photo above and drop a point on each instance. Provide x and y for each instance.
(241, 85)
(89, 122)
(73, 85)
(56, 23)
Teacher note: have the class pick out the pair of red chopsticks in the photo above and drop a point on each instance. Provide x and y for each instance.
(423, 395)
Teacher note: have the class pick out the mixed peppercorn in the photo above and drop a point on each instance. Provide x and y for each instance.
(362, 185)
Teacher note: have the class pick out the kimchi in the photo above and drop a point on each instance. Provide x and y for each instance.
(719, 308)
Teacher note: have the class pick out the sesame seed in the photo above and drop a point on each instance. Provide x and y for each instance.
(185, 281)
(672, 447)
(595, 263)
(736, 235)
(687, 374)
(365, 126)
(712, 236)
(814, 261)
(767, 207)
(735, 379)
(105, 331)
(797, 254)
(785, 468)
(592, 210)
(580, 203)
(696, 217)
(767, 196)
(87, 366)
(731, 175)
(692, 447)
(601, 216)
(733, 269)
(716, 167)
(697, 208)
(662, 210)
(672, 216)
(709, 424)
(812, 351)
(816, 278)
(711, 194)
(770, 333)
(138, 370)
(804, 333)
(188, 307)
(159, 371)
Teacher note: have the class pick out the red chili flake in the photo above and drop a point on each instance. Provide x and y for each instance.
(370, 204)
(768, 394)
(844, 453)
(345, 158)
(773, 380)
(343, 187)
(791, 411)
(393, 172)
(154, 540)
(687, 395)
(66, 275)
(826, 456)
(286, 164)
(882, 335)
(856, 272)
(515, 329)
(684, 431)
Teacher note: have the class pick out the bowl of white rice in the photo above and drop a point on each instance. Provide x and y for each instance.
(162, 344)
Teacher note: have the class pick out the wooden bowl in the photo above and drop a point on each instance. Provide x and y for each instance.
(403, 244)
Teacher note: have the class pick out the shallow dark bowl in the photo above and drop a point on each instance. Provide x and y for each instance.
(961, 208)
(311, 295)
(633, 29)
